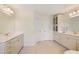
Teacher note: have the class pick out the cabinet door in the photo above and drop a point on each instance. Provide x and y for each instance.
(11, 46)
(17, 44)
(77, 44)
(20, 41)
(67, 41)
(71, 43)
(1, 48)
(7, 48)
(14, 45)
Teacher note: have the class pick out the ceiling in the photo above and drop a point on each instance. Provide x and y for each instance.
(49, 9)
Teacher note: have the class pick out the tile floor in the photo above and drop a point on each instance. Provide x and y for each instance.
(44, 47)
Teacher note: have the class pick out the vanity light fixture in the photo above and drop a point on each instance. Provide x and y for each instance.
(77, 10)
(5, 9)
(74, 13)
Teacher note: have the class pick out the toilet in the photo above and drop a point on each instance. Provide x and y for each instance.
(71, 52)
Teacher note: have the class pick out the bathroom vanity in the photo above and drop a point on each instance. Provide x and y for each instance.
(68, 40)
(11, 43)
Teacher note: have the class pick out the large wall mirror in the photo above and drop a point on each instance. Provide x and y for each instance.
(74, 24)
(67, 22)
(6, 19)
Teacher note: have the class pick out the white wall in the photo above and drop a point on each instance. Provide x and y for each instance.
(25, 22)
(36, 26)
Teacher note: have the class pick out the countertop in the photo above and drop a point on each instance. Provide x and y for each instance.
(9, 36)
(68, 33)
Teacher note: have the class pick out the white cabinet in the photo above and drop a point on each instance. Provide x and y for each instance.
(66, 40)
(1, 48)
(77, 44)
(12, 46)
(17, 44)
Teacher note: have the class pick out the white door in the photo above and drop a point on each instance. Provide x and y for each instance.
(43, 27)
(46, 28)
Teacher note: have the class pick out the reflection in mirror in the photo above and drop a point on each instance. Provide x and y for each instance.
(74, 24)
(6, 19)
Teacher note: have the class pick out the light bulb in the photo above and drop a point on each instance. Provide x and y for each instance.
(74, 12)
(11, 11)
(8, 9)
(77, 10)
(70, 14)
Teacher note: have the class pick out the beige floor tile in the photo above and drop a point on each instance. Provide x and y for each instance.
(44, 47)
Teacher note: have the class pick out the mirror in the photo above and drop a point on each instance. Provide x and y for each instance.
(6, 20)
(74, 24)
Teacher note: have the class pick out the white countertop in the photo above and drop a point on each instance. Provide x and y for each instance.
(71, 33)
(74, 34)
(5, 37)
